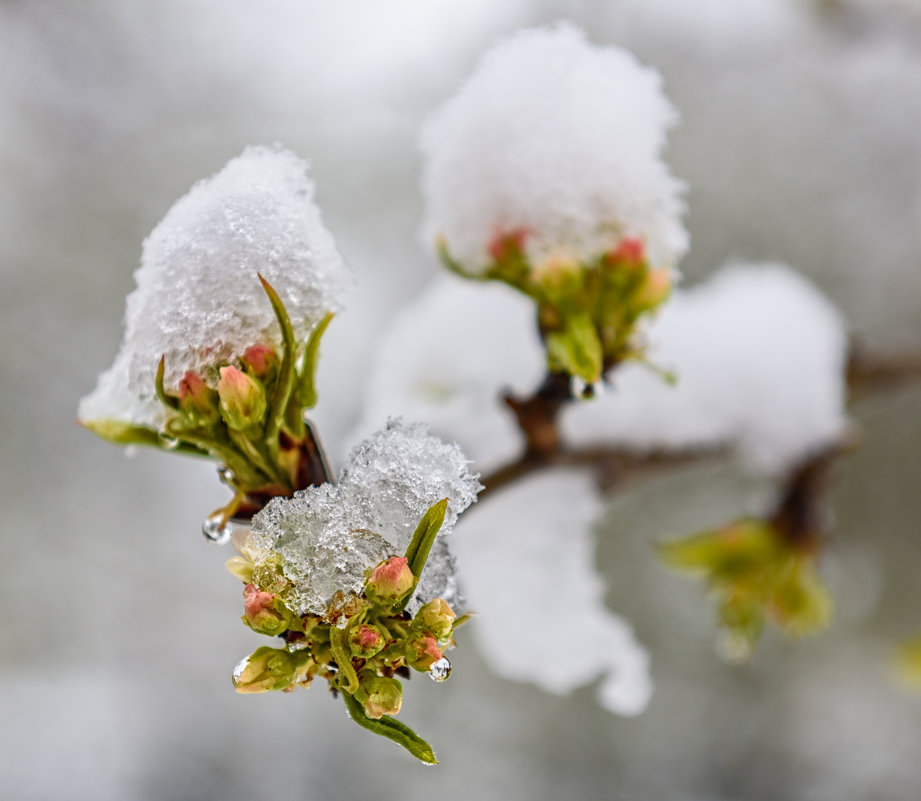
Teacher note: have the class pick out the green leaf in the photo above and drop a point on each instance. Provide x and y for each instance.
(122, 433)
(419, 546)
(339, 645)
(286, 374)
(308, 390)
(392, 729)
(576, 349)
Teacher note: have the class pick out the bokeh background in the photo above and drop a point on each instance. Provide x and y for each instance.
(799, 141)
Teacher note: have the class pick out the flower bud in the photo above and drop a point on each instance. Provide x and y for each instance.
(380, 696)
(558, 277)
(437, 617)
(268, 669)
(262, 361)
(261, 613)
(505, 245)
(390, 580)
(197, 401)
(366, 641)
(631, 252)
(422, 651)
(655, 289)
(242, 399)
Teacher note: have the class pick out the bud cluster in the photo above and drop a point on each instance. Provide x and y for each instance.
(758, 576)
(358, 646)
(248, 413)
(588, 312)
(361, 643)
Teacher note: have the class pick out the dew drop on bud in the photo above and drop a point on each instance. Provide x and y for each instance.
(440, 670)
(216, 531)
(168, 443)
(226, 475)
(238, 670)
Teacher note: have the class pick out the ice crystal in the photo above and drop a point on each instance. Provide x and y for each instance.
(561, 140)
(198, 299)
(329, 536)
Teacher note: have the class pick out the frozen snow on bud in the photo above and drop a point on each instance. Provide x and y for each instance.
(759, 355)
(559, 139)
(329, 537)
(527, 561)
(445, 359)
(198, 299)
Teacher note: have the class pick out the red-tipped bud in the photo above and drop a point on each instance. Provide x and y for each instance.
(630, 252)
(261, 360)
(506, 244)
(366, 641)
(422, 651)
(197, 400)
(242, 399)
(261, 612)
(390, 580)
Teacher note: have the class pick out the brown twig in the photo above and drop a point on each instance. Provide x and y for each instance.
(867, 373)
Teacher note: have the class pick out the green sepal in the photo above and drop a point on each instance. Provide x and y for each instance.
(287, 373)
(444, 255)
(342, 653)
(170, 401)
(270, 669)
(417, 553)
(392, 729)
(576, 349)
(307, 389)
(121, 433)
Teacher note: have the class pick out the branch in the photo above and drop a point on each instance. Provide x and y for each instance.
(867, 373)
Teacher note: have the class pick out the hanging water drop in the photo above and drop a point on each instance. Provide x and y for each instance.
(441, 670)
(238, 670)
(216, 531)
(576, 386)
(226, 475)
(168, 443)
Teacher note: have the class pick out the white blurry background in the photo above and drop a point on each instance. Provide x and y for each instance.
(799, 141)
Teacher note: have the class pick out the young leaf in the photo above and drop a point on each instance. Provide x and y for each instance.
(287, 373)
(122, 433)
(392, 729)
(576, 349)
(423, 537)
(308, 389)
(167, 400)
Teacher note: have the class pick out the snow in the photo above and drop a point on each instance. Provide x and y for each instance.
(198, 299)
(328, 536)
(760, 356)
(527, 562)
(558, 137)
(444, 360)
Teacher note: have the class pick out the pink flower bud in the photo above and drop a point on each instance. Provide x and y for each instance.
(631, 252)
(242, 399)
(259, 610)
(261, 359)
(366, 641)
(422, 651)
(506, 244)
(390, 580)
(197, 400)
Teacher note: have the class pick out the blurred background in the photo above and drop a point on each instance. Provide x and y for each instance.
(799, 141)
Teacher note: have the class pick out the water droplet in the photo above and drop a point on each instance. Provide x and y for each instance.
(226, 475)
(578, 388)
(440, 670)
(168, 443)
(216, 531)
(296, 645)
(238, 670)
